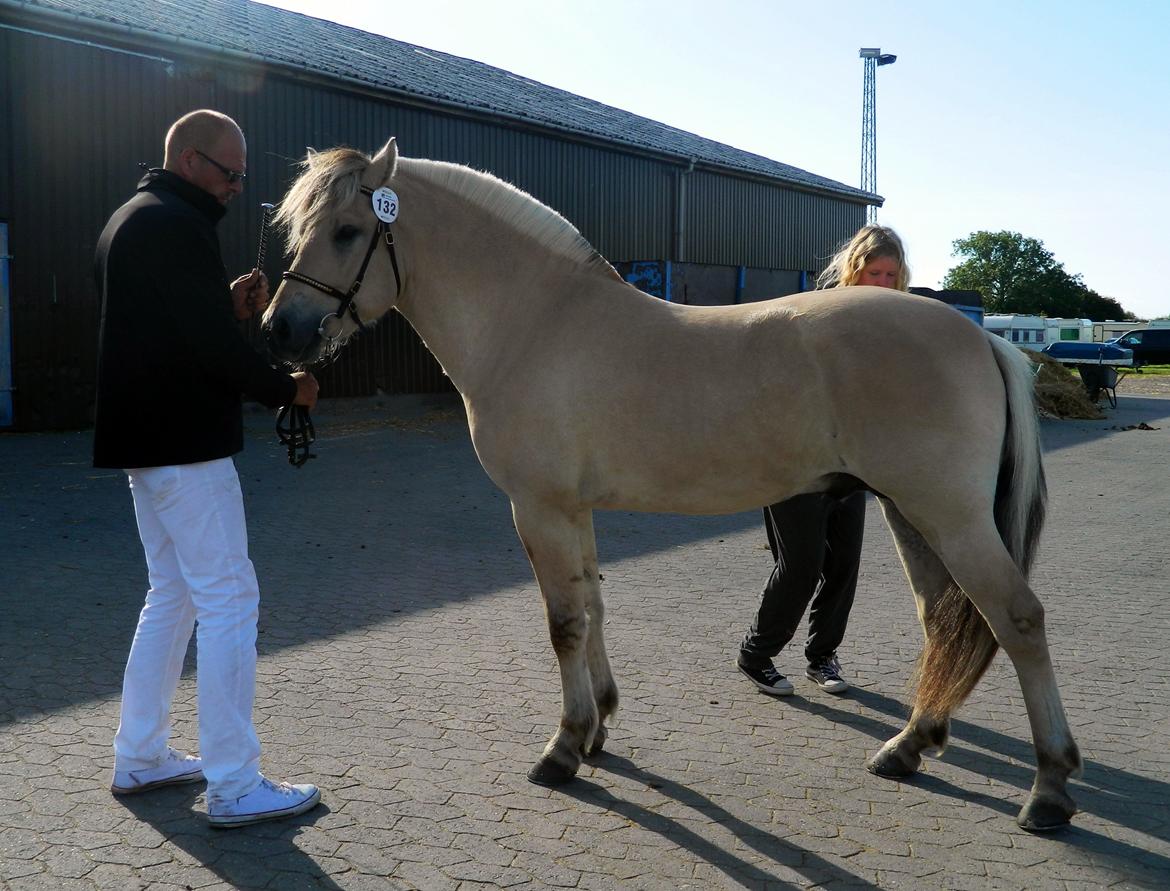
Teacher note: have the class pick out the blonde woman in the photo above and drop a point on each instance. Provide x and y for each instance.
(816, 539)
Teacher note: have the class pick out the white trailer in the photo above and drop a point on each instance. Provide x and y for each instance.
(1060, 330)
(1026, 332)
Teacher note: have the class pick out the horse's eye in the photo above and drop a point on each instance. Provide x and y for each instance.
(346, 234)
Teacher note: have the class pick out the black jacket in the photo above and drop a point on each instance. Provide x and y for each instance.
(172, 363)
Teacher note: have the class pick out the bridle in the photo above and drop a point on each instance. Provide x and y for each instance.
(381, 233)
(294, 428)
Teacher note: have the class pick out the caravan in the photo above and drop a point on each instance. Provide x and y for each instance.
(1037, 332)
(1060, 330)
(1026, 332)
(1105, 331)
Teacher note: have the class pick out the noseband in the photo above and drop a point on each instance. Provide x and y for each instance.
(381, 233)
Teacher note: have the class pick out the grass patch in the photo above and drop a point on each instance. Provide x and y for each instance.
(1154, 369)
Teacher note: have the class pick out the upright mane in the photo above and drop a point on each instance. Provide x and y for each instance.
(513, 207)
(332, 178)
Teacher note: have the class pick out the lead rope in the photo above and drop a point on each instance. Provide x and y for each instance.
(295, 430)
(294, 427)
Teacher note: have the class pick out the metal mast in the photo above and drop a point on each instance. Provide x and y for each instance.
(872, 57)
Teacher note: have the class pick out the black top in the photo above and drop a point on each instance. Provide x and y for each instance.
(172, 362)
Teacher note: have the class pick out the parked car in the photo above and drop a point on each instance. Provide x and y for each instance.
(1151, 346)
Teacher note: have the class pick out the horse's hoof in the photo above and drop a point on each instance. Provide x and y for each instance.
(891, 765)
(598, 743)
(1048, 813)
(549, 773)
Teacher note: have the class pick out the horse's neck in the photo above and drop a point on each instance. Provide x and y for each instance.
(478, 289)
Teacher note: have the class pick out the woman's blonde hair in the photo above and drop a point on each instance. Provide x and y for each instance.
(870, 243)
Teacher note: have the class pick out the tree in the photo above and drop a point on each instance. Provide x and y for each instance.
(1014, 273)
(1098, 308)
(1018, 274)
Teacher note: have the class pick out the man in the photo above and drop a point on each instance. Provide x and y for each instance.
(172, 367)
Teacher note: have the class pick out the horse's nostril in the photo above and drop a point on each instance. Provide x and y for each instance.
(278, 331)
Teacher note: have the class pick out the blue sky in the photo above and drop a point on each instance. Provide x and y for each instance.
(1047, 118)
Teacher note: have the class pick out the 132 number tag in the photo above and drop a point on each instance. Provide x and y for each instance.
(385, 204)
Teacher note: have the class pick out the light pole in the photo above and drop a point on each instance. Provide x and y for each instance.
(873, 58)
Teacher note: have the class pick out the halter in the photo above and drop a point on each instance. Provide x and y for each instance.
(381, 233)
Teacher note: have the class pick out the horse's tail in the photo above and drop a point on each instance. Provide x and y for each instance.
(1021, 493)
(960, 645)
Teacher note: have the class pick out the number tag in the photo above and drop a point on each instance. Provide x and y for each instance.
(385, 204)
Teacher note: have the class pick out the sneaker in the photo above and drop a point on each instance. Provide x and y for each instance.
(268, 801)
(826, 674)
(176, 768)
(765, 676)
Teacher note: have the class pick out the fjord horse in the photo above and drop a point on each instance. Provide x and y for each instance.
(583, 393)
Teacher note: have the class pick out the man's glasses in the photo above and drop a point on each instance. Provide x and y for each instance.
(233, 176)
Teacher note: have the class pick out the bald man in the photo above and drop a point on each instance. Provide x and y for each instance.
(173, 368)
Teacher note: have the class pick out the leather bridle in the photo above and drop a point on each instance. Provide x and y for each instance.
(382, 233)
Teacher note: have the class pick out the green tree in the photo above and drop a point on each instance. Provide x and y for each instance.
(1098, 308)
(1014, 273)
(1018, 274)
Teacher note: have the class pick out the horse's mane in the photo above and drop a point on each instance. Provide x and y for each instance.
(331, 178)
(512, 207)
(328, 179)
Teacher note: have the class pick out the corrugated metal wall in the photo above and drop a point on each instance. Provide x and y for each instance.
(71, 162)
(737, 222)
(82, 116)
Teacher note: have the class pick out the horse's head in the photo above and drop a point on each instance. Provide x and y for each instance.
(337, 217)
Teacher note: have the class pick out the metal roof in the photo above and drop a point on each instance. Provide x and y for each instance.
(292, 40)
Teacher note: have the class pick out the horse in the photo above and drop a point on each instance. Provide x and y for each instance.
(582, 393)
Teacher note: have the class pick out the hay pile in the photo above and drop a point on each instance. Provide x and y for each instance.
(1060, 393)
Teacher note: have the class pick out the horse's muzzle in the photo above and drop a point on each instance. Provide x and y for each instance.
(290, 342)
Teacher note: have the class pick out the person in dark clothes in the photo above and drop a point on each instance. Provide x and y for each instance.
(816, 539)
(172, 368)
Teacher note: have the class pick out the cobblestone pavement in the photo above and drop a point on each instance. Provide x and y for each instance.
(406, 669)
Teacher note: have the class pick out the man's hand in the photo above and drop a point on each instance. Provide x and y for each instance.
(249, 295)
(306, 389)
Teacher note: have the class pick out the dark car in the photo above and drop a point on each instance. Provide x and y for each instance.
(1151, 346)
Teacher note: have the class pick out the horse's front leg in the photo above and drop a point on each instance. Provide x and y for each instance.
(552, 540)
(605, 692)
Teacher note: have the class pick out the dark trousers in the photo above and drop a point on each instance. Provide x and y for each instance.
(816, 540)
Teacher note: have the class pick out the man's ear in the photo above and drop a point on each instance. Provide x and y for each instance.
(382, 167)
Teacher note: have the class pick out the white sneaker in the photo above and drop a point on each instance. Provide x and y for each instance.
(176, 768)
(268, 801)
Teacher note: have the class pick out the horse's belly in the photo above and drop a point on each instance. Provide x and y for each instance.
(710, 485)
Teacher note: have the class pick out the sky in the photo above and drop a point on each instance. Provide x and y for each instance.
(1047, 118)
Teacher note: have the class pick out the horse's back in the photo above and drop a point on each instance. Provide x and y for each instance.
(715, 409)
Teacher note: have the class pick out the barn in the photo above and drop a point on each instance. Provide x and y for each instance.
(90, 86)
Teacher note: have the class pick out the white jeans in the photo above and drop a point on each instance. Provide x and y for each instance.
(191, 522)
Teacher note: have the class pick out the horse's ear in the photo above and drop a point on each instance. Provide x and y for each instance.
(382, 167)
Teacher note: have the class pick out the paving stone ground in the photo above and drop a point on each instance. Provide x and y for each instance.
(405, 668)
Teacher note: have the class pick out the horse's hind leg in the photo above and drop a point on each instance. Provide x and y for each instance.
(605, 692)
(553, 542)
(960, 644)
(983, 568)
(929, 579)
